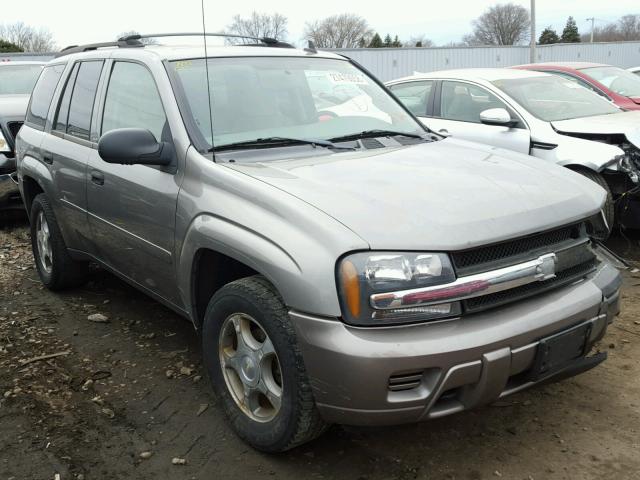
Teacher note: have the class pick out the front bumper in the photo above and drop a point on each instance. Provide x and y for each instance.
(454, 365)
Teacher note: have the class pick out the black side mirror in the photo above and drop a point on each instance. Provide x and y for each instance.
(134, 146)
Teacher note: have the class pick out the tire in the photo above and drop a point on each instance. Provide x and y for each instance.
(255, 301)
(57, 270)
(609, 204)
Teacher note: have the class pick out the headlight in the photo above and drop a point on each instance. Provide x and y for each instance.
(361, 275)
(4, 146)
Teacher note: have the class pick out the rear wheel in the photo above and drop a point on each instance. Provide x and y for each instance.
(56, 268)
(256, 368)
(609, 205)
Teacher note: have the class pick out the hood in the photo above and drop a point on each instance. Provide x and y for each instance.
(13, 107)
(626, 123)
(445, 195)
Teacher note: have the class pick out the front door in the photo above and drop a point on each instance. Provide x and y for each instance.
(458, 115)
(132, 207)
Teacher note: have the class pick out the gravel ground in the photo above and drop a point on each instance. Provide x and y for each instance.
(126, 397)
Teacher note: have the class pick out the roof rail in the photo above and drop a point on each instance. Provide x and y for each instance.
(94, 46)
(130, 41)
(263, 41)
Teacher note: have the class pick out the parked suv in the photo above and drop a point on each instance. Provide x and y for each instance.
(341, 263)
(16, 82)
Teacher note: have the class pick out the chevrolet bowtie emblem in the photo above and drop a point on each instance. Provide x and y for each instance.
(546, 268)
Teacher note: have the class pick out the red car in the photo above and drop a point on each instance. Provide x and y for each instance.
(616, 84)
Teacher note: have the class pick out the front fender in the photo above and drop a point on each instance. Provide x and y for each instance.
(590, 154)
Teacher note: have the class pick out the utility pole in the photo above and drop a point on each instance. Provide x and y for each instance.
(532, 52)
(593, 24)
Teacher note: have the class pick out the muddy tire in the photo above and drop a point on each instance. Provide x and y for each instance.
(256, 368)
(56, 268)
(609, 205)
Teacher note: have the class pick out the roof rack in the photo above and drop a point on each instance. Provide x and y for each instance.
(94, 46)
(132, 41)
(262, 41)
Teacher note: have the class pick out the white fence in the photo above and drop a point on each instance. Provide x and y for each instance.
(390, 63)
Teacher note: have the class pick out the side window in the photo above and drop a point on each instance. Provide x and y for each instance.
(42, 95)
(133, 100)
(82, 99)
(414, 95)
(60, 122)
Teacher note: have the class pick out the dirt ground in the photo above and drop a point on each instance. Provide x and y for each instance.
(127, 396)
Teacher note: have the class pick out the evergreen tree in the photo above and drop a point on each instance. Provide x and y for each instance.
(6, 47)
(376, 42)
(419, 43)
(396, 42)
(387, 41)
(548, 36)
(570, 33)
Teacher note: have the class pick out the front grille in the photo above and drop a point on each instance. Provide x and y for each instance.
(564, 277)
(491, 257)
(14, 127)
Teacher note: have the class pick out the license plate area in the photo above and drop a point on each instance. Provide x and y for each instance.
(557, 351)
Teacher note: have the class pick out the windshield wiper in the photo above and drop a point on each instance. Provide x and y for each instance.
(375, 133)
(271, 142)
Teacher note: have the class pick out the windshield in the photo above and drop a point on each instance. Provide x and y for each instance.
(616, 79)
(18, 79)
(552, 98)
(292, 97)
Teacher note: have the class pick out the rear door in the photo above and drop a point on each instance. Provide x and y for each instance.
(67, 148)
(132, 208)
(457, 113)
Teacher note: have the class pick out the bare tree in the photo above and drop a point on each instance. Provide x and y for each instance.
(503, 24)
(29, 39)
(260, 25)
(629, 27)
(419, 41)
(626, 28)
(345, 30)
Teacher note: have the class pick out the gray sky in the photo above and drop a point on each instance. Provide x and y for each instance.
(86, 21)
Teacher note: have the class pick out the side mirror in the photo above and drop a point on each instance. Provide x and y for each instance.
(134, 146)
(497, 116)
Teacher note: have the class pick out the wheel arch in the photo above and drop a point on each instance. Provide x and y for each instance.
(216, 251)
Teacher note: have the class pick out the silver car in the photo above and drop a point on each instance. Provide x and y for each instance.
(341, 263)
(544, 115)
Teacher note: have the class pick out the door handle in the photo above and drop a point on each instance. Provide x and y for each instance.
(47, 159)
(97, 177)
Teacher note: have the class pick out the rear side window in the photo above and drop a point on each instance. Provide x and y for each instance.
(414, 95)
(82, 99)
(133, 100)
(42, 95)
(60, 123)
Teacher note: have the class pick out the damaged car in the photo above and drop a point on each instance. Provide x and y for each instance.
(16, 82)
(539, 114)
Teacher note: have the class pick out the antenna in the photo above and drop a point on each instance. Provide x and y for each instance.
(206, 67)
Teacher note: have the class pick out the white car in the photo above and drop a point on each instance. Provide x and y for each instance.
(535, 113)
(635, 70)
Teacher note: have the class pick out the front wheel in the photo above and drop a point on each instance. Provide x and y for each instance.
(256, 368)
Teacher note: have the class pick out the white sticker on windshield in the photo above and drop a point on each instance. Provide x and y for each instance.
(343, 78)
(572, 85)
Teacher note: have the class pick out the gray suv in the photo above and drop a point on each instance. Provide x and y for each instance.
(341, 263)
